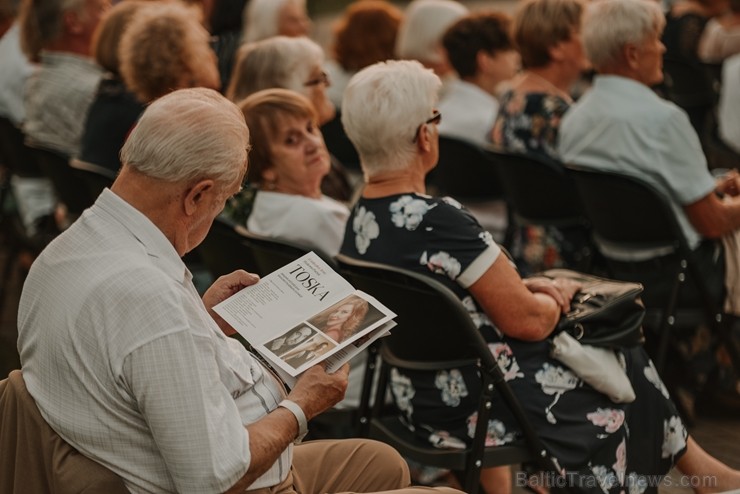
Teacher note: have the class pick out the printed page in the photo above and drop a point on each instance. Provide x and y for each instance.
(282, 299)
(343, 355)
(302, 314)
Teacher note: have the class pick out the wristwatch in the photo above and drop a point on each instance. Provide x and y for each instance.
(297, 411)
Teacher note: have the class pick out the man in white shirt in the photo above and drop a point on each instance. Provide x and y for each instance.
(58, 35)
(129, 365)
(621, 125)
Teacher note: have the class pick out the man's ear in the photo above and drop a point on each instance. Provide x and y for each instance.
(631, 54)
(197, 196)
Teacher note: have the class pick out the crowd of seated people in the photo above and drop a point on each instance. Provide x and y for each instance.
(396, 223)
(33, 191)
(113, 86)
(547, 35)
(651, 139)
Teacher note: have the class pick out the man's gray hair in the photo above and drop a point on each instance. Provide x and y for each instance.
(608, 25)
(382, 108)
(277, 62)
(261, 18)
(188, 135)
(424, 24)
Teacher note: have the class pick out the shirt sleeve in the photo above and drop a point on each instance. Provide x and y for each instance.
(190, 414)
(458, 246)
(684, 168)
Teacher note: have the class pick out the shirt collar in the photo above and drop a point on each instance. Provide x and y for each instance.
(157, 246)
(621, 84)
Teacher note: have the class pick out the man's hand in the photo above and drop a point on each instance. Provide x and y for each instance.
(560, 289)
(223, 288)
(729, 184)
(316, 390)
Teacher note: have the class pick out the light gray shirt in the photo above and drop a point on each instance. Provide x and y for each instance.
(621, 125)
(57, 99)
(126, 364)
(314, 223)
(15, 70)
(468, 113)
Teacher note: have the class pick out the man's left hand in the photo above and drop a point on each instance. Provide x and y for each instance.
(223, 288)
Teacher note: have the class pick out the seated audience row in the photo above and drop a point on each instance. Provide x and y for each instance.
(389, 111)
(139, 376)
(547, 35)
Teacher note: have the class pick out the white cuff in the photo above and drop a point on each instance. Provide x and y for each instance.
(297, 411)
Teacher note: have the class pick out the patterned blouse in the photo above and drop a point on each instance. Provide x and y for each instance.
(607, 445)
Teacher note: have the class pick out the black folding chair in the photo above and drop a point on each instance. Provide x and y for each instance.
(435, 332)
(540, 193)
(224, 250)
(69, 188)
(15, 154)
(694, 87)
(94, 177)
(270, 254)
(630, 214)
(465, 171)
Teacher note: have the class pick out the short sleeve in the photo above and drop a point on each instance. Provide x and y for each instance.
(456, 245)
(684, 168)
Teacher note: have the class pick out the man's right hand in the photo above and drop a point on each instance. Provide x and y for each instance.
(316, 390)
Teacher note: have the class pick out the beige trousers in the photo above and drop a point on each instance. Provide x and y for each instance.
(348, 466)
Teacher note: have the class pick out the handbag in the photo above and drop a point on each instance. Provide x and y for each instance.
(604, 313)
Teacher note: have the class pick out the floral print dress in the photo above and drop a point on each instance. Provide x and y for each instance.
(529, 123)
(604, 446)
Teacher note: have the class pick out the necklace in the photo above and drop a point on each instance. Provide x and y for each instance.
(554, 89)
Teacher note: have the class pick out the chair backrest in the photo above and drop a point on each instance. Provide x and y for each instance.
(94, 177)
(539, 191)
(224, 249)
(626, 211)
(465, 171)
(70, 189)
(427, 312)
(339, 144)
(435, 331)
(690, 84)
(270, 254)
(14, 153)
(37, 459)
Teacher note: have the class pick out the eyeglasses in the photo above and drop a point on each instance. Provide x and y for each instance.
(434, 119)
(323, 78)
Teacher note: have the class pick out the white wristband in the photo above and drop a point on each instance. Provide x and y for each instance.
(297, 411)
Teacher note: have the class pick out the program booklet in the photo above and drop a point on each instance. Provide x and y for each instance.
(305, 313)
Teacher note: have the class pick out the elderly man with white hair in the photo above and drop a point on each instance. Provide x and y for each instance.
(622, 126)
(126, 361)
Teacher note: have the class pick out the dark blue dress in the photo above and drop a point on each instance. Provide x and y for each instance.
(610, 445)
